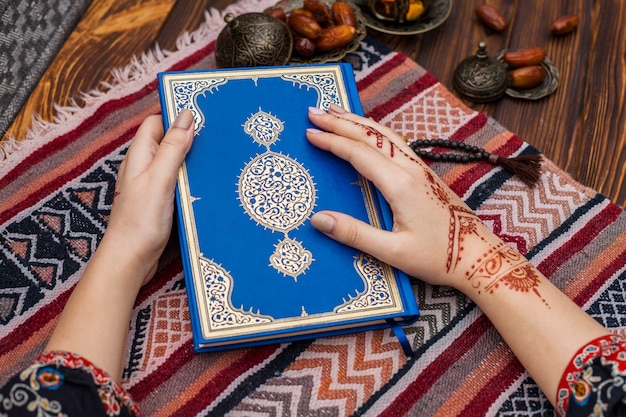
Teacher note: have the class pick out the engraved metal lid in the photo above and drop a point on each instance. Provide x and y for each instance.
(481, 78)
(253, 39)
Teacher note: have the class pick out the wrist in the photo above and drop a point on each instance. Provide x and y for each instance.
(125, 266)
(480, 262)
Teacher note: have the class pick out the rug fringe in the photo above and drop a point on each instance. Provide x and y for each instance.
(13, 150)
(9, 147)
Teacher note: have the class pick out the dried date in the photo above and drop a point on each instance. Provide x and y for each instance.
(527, 77)
(277, 12)
(304, 26)
(343, 14)
(320, 11)
(524, 57)
(304, 12)
(491, 17)
(303, 47)
(334, 37)
(564, 24)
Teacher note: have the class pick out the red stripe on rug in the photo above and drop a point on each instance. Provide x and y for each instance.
(472, 175)
(381, 71)
(469, 177)
(404, 96)
(470, 128)
(600, 279)
(499, 382)
(579, 240)
(405, 400)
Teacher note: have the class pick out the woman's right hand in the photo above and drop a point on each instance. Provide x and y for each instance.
(435, 236)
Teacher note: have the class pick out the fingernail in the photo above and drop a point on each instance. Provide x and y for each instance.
(314, 130)
(336, 109)
(316, 110)
(183, 120)
(323, 222)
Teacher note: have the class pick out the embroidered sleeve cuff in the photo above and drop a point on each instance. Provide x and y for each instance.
(581, 380)
(113, 396)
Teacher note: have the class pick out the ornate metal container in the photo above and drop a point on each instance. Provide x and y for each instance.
(253, 39)
(481, 78)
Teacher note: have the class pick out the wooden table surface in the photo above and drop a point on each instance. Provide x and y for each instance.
(581, 127)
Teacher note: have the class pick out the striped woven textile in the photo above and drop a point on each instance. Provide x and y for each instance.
(55, 198)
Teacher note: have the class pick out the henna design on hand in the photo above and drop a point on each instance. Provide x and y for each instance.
(380, 138)
(500, 265)
(463, 222)
(439, 193)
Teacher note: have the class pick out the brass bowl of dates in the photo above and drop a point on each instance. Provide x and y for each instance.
(322, 30)
(542, 88)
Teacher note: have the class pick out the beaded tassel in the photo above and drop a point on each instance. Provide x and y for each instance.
(526, 167)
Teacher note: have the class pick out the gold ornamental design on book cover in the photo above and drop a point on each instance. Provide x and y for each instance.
(278, 193)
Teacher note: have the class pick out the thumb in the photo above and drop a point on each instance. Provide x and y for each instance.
(174, 146)
(352, 232)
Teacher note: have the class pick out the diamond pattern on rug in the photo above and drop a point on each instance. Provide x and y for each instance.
(430, 115)
(49, 245)
(527, 401)
(160, 325)
(170, 326)
(610, 307)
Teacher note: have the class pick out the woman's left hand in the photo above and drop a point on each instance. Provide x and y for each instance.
(142, 213)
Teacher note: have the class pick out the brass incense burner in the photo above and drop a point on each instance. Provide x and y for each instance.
(253, 39)
(481, 78)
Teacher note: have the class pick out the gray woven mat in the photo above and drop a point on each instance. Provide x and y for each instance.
(31, 33)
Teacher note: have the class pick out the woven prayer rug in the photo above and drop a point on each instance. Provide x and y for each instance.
(31, 33)
(55, 198)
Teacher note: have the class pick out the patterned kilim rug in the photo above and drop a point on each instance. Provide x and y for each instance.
(31, 33)
(55, 197)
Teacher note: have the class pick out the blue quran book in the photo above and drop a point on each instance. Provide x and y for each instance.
(256, 271)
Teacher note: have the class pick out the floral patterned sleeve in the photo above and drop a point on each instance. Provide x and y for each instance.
(594, 383)
(64, 384)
